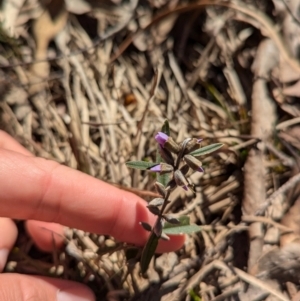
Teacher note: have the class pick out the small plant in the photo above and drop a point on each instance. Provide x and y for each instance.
(173, 162)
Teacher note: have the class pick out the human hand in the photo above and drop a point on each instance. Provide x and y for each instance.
(49, 195)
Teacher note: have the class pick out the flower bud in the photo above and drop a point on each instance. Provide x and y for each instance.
(158, 227)
(171, 185)
(160, 188)
(171, 219)
(183, 146)
(167, 142)
(162, 168)
(193, 145)
(193, 163)
(161, 138)
(146, 226)
(180, 179)
(166, 155)
(154, 209)
(156, 202)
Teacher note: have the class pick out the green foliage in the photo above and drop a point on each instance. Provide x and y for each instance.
(183, 228)
(178, 229)
(166, 170)
(148, 252)
(142, 165)
(152, 242)
(206, 149)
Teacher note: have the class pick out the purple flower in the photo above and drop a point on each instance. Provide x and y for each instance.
(199, 140)
(167, 142)
(156, 168)
(161, 138)
(162, 168)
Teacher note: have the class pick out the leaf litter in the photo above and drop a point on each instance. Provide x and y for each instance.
(89, 84)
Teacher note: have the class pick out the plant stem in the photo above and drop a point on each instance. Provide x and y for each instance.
(165, 202)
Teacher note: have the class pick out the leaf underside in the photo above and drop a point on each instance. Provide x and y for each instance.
(142, 165)
(188, 229)
(206, 149)
(183, 228)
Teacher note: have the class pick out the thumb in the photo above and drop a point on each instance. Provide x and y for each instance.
(16, 287)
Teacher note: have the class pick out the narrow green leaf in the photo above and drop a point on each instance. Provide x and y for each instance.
(184, 221)
(166, 128)
(148, 252)
(143, 165)
(206, 149)
(183, 228)
(163, 179)
(188, 229)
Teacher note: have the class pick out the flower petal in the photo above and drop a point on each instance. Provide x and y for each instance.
(161, 138)
(156, 168)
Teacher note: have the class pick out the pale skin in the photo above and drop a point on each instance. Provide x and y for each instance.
(50, 196)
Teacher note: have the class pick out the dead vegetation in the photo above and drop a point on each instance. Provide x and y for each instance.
(76, 87)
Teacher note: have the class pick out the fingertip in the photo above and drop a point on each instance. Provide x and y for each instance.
(15, 287)
(75, 294)
(175, 243)
(46, 236)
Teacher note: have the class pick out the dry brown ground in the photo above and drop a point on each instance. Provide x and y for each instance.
(76, 88)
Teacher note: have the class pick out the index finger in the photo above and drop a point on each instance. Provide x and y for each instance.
(39, 189)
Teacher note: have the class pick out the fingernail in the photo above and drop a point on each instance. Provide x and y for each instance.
(3, 258)
(76, 294)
